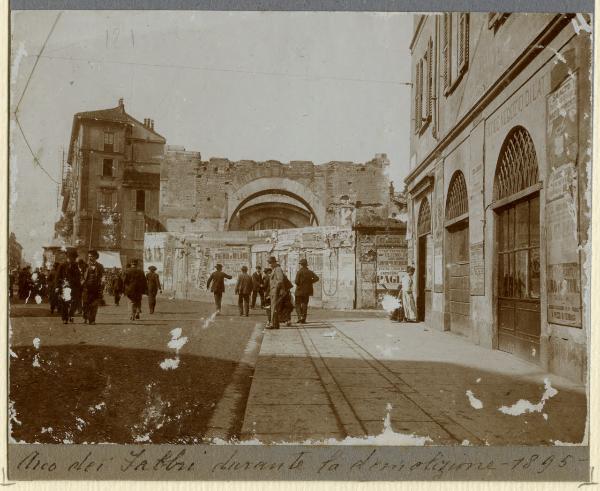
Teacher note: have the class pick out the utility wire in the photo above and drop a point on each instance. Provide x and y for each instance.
(225, 70)
(16, 111)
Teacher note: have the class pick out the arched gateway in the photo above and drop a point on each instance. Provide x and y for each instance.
(274, 200)
(517, 207)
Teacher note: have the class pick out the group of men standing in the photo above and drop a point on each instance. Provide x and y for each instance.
(78, 286)
(75, 286)
(272, 286)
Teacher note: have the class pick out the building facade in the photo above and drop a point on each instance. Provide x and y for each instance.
(111, 183)
(221, 195)
(498, 195)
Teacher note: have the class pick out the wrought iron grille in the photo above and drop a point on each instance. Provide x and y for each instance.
(424, 221)
(517, 167)
(457, 203)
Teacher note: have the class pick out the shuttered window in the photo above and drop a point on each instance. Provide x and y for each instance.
(109, 141)
(418, 95)
(138, 233)
(455, 49)
(446, 32)
(429, 93)
(463, 42)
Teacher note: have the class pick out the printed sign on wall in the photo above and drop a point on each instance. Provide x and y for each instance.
(562, 254)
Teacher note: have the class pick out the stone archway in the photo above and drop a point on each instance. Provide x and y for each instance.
(276, 186)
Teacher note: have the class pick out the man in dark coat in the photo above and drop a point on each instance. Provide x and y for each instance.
(154, 287)
(217, 278)
(25, 283)
(135, 286)
(52, 295)
(92, 287)
(267, 302)
(82, 267)
(117, 286)
(304, 289)
(243, 288)
(68, 286)
(258, 287)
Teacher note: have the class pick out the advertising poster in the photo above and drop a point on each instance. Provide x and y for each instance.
(154, 251)
(562, 254)
(477, 269)
(391, 263)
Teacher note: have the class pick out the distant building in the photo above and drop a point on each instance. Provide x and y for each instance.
(499, 221)
(111, 182)
(221, 195)
(15, 253)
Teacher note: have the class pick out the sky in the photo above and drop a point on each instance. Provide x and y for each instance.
(316, 86)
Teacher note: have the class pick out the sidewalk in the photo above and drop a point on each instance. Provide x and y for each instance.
(341, 378)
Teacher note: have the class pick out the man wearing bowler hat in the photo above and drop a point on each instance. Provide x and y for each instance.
(217, 278)
(304, 289)
(135, 286)
(154, 287)
(92, 287)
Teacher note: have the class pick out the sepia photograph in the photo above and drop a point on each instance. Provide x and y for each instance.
(253, 232)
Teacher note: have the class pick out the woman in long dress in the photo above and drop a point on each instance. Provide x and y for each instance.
(408, 299)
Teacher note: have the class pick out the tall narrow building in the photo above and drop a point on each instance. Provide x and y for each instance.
(111, 183)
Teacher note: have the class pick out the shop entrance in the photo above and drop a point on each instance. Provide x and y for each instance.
(517, 206)
(425, 261)
(458, 294)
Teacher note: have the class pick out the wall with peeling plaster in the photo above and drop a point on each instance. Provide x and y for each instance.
(185, 260)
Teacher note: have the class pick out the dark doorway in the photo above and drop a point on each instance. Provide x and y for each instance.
(519, 322)
(425, 261)
(421, 278)
(458, 290)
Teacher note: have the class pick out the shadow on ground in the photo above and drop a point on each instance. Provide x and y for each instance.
(104, 394)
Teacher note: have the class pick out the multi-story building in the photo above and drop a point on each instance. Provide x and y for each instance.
(112, 182)
(498, 193)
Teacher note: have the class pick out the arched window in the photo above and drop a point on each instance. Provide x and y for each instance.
(457, 202)
(424, 221)
(517, 165)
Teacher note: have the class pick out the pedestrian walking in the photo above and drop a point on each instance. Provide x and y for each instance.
(117, 285)
(25, 283)
(68, 286)
(134, 284)
(305, 278)
(52, 295)
(82, 267)
(154, 286)
(267, 300)
(217, 280)
(408, 299)
(258, 287)
(244, 288)
(93, 287)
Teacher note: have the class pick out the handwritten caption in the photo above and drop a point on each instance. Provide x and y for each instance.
(321, 464)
